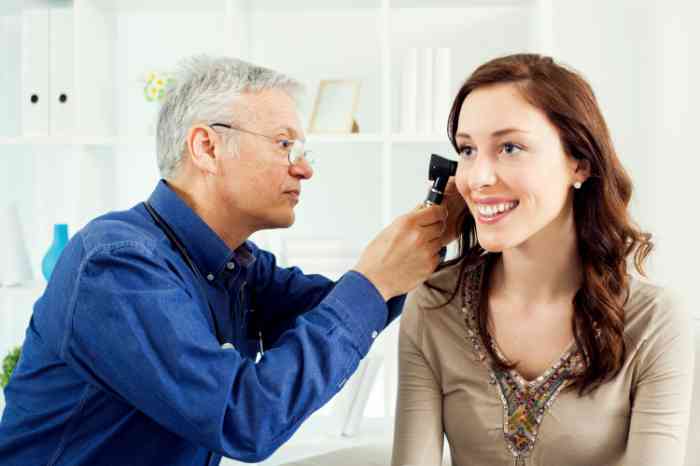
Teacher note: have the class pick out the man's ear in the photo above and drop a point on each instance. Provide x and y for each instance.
(201, 144)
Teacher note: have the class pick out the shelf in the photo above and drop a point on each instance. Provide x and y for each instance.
(344, 138)
(395, 4)
(317, 5)
(78, 141)
(29, 289)
(139, 6)
(150, 140)
(421, 138)
(145, 141)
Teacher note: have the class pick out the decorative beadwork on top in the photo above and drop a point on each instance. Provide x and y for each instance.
(524, 402)
(470, 302)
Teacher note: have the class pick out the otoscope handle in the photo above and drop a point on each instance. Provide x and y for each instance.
(435, 197)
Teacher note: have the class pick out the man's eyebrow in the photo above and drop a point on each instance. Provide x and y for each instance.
(289, 131)
(495, 134)
(285, 129)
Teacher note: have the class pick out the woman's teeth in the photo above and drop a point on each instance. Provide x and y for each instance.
(494, 209)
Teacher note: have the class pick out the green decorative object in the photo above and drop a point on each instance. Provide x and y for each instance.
(8, 365)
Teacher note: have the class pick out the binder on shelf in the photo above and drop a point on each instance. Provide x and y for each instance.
(442, 91)
(61, 67)
(10, 58)
(35, 74)
(409, 91)
(425, 80)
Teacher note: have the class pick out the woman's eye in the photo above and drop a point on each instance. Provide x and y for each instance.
(285, 144)
(466, 151)
(511, 149)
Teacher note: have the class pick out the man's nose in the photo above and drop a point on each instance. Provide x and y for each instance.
(302, 169)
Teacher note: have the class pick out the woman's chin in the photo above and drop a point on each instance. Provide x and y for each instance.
(493, 249)
(494, 244)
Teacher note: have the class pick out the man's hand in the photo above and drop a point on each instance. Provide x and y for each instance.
(406, 252)
(456, 205)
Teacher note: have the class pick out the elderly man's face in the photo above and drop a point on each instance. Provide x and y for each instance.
(260, 183)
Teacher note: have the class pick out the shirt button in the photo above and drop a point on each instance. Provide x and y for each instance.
(230, 266)
(374, 335)
(210, 277)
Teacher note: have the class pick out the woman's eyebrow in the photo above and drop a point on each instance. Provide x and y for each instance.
(500, 132)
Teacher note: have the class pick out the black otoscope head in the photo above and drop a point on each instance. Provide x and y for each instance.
(440, 171)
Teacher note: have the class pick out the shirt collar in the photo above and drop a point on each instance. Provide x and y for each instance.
(207, 250)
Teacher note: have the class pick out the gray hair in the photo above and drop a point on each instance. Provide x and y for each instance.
(204, 91)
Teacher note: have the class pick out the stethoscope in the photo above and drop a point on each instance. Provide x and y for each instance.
(163, 225)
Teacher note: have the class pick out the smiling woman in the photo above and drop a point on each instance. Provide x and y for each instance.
(538, 320)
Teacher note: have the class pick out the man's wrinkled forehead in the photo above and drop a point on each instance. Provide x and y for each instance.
(273, 111)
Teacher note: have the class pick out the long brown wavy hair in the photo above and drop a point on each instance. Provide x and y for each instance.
(606, 234)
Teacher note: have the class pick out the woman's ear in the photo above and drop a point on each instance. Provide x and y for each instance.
(582, 170)
(201, 144)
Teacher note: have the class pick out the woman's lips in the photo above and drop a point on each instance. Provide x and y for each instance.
(494, 211)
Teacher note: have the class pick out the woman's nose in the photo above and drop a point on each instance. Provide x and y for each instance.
(482, 173)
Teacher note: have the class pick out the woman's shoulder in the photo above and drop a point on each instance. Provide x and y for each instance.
(445, 282)
(652, 310)
(437, 302)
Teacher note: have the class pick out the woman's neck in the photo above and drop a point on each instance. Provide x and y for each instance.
(542, 270)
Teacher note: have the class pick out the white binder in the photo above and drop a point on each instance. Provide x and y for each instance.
(442, 91)
(425, 90)
(35, 76)
(61, 71)
(10, 58)
(409, 91)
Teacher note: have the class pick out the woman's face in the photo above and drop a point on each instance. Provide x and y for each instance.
(513, 171)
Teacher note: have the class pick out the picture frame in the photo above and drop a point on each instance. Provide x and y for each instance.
(335, 107)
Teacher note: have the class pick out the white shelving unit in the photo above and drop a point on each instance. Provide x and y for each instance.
(105, 159)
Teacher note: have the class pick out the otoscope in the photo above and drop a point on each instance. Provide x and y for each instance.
(440, 171)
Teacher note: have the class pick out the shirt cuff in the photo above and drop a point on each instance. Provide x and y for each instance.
(395, 306)
(362, 306)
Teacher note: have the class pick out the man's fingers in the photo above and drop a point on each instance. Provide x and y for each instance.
(430, 215)
(434, 232)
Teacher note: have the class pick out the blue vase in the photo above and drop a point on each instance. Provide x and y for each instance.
(60, 239)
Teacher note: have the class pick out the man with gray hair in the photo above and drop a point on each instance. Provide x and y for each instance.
(166, 337)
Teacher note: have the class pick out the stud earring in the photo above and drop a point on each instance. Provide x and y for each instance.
(577, 185)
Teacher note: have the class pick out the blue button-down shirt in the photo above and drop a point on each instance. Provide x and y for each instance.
(129, 359)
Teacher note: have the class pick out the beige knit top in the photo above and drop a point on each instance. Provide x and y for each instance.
(447, 388)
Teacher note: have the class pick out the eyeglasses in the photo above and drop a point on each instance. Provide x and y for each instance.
(293, 147)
